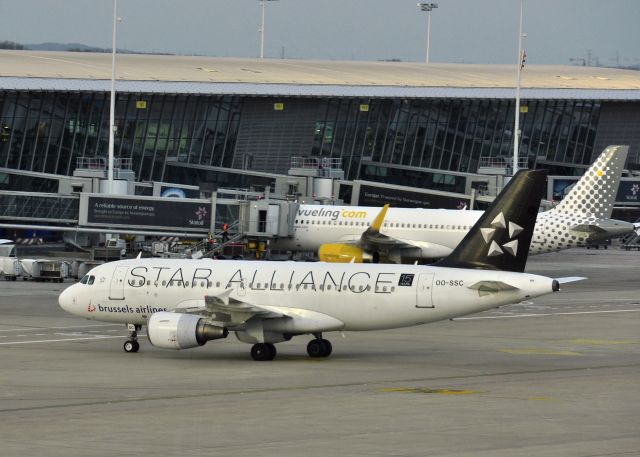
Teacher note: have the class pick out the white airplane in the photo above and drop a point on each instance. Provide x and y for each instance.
(404, 235)
(186, 303)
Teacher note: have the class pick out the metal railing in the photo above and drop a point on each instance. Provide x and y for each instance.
(100, 163)
(502, 162)
(324, 163)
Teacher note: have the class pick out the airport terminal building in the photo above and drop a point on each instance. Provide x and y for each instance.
(235, 123)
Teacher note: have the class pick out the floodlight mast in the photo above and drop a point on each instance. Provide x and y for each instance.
(516, 128)
(428, 7)
(112, 105)
(262, 28)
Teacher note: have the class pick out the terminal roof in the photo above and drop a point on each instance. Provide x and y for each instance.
(197, 74)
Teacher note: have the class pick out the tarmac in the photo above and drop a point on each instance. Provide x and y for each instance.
(558, 376)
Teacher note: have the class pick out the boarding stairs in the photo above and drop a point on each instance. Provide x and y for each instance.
(631, 241)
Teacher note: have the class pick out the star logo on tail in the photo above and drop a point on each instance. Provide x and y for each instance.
(500, 223)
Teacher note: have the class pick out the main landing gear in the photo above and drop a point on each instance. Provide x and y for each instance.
(319, 347)
(132, 345)
(262, 352)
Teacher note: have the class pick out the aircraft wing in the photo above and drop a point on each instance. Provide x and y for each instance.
(233, 313)
(374, 240)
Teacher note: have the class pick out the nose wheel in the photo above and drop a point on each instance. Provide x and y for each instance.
(319, 348)
(132, 345)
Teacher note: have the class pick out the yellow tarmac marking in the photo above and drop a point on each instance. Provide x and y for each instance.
(603, 342)
(542, 399)
(538, 352)
(423, 390)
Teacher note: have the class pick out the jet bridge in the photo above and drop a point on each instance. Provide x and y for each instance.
(267, 218)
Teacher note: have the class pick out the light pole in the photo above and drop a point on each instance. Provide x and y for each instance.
(112, 105)
(428, 7)
(261, 30)
(516, 128)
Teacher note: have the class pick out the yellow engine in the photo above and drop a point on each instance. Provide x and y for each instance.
(343, 253)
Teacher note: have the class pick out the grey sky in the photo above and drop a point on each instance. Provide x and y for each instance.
(471, 31)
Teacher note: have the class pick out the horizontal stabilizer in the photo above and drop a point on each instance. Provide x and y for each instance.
(488, 287)
(569, 279)
(587, 228)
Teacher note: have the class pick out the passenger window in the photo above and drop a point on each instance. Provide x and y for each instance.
(393, 288)
(218, 284)
(329, 287)
(148, 282)
(164, 283)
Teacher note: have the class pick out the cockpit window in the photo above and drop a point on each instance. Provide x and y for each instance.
(88, 280)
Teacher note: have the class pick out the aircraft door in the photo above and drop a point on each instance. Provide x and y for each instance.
(424, 298)
(116, 289)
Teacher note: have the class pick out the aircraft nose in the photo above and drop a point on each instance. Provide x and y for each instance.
(66, 300)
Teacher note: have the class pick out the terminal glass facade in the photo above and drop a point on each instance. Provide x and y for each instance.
(48, 131)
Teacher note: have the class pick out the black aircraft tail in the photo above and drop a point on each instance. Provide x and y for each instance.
(500, 239)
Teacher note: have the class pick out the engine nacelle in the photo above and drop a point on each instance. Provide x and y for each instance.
(181, 331)
(343, 253)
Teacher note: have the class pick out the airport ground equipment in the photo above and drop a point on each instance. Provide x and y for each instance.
(41, 270)
(10, 268)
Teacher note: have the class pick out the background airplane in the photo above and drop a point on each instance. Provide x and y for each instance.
(404, 235)
(186, 303)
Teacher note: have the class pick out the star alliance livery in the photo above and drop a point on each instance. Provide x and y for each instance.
(185, 303)
(404, 235)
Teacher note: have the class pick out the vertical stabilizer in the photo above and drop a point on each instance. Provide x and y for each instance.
(595, 193)
(500, 239)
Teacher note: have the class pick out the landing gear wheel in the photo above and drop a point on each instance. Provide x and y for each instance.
(262, 352)
(328, 348)
(319, 348)
(131, 346)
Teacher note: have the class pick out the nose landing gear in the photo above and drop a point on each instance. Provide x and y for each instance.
(132, 345)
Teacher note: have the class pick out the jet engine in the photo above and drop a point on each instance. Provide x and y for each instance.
(343, 253)
(181, 331)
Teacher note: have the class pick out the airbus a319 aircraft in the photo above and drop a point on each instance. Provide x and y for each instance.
(185, 303)
(404, 235)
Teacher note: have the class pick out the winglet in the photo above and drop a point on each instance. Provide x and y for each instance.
(377, 222)
(139, 256)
